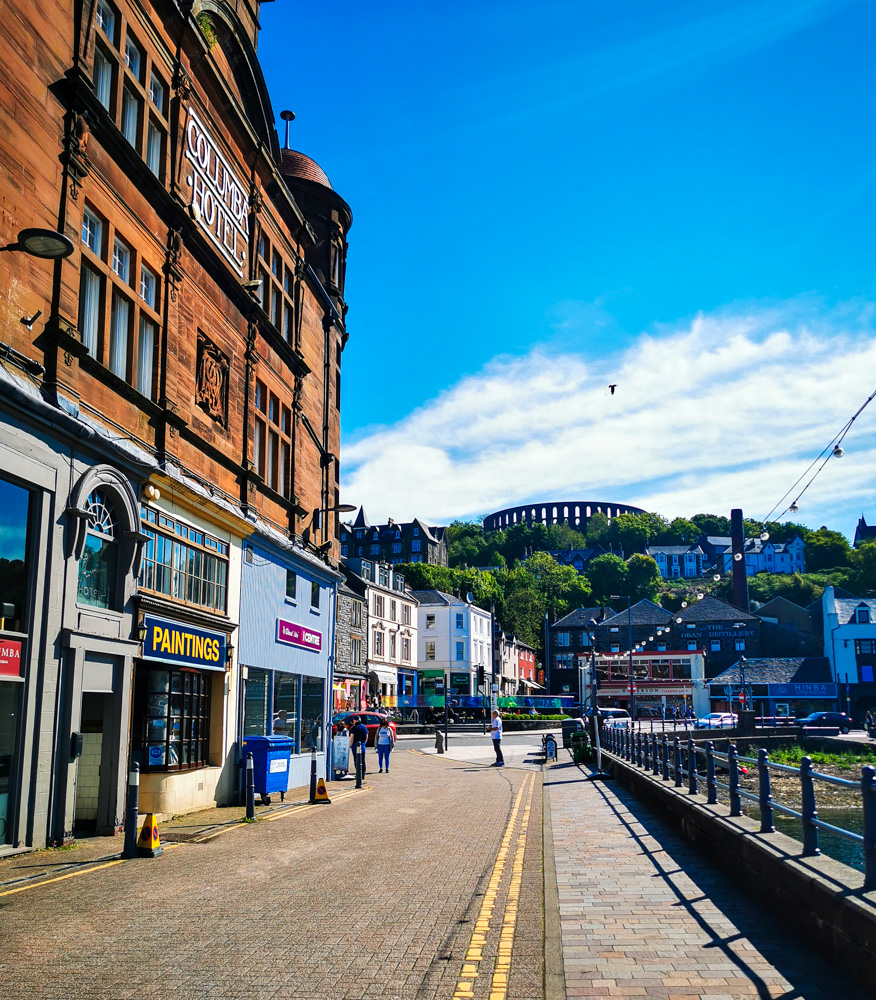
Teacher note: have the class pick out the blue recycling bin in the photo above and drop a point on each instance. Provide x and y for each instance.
(270, 763)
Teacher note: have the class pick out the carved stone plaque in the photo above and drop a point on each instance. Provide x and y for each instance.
(212, 388)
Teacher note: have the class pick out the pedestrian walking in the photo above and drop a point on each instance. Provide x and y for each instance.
(496, 736)
(384, 741)
(359, 734)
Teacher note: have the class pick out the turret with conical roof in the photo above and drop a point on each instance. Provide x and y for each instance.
(329, 217)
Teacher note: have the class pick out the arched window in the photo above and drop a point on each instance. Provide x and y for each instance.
(99, 560)
(588, 512)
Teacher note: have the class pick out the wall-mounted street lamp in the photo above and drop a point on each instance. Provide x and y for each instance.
(141, 632)
(315, 521)
(47, 244)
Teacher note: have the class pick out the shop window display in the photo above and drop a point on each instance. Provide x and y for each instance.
(171, 719)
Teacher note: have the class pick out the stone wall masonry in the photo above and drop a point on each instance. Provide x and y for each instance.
(819, 899)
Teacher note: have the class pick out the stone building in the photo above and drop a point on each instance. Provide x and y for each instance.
(351, 651)
(574, 513)
(169, 404)
(394, 542)
(390, 650)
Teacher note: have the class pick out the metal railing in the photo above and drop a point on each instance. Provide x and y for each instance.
(668, 759)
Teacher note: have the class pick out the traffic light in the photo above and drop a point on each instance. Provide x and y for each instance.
(482, 676)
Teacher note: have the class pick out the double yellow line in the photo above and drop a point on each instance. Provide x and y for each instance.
(475, 951)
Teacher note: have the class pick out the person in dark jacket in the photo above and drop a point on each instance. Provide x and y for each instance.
(359, 736)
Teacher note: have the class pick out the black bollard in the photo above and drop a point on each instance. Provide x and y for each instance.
(132, 810)
(357, 755)
(250, 788)
(313, 774)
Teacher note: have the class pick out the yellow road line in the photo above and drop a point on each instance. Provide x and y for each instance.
(313, 805)
(499, 985)
(60, 878)
(475, 951)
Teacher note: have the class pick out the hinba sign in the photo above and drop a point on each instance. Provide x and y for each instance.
(298, 635)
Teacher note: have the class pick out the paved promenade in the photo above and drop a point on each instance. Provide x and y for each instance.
(443, 880)
(643, 915)
(426, 884)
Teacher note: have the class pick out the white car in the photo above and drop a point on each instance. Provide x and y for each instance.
(717, 720)
(615, 717)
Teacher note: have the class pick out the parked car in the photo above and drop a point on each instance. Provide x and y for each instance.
(615, 716)
(826, 720)
(716, 720)
(648, 712)
(372, 720)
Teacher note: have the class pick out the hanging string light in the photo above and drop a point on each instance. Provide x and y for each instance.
(834, 449)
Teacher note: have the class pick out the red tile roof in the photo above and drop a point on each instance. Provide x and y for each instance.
(295, 164)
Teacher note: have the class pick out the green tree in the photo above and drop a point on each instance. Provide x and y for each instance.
(680, 532)
(863, 562)
(524, 616)
(826, 549)
(644, 577)
(799, 588)
(632, 531)
(712, 524)
(608, 574)
(598, 529)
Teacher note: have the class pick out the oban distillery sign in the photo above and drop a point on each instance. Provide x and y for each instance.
(217, 194)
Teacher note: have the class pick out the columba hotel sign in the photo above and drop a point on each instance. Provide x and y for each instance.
(218, 197)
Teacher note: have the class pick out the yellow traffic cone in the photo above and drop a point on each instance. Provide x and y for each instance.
(148, 844)
(321, 793)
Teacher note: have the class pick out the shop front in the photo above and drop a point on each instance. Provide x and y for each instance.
(349, 694)
(177, 723)
(286, 643)
(11, 687)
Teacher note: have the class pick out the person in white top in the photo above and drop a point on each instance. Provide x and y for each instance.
(384, 740)
(496, 735)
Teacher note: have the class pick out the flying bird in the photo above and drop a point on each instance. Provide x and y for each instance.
(611, 389)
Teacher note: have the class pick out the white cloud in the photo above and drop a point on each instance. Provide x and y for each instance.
(725, 411)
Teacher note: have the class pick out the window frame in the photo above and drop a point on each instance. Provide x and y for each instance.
(112, 287)
(207, 551)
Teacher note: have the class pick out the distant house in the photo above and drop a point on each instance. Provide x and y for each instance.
(864, 532)
(678, 561)
(578, 559)
(850, 645)
(760, 556)
(389, 621)
(781, 611)
(394, 542)
(514, 665)
(569, 640)
(720, 630)
(455, 639)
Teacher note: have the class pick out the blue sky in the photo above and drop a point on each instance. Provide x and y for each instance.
(676, 197)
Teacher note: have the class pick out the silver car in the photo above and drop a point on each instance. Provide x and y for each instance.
(717, 720)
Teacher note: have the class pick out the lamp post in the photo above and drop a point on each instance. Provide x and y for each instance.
(629, 600)
(598, 774)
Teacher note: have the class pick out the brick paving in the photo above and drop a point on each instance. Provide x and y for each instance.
(642, 914)
(374, 895)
